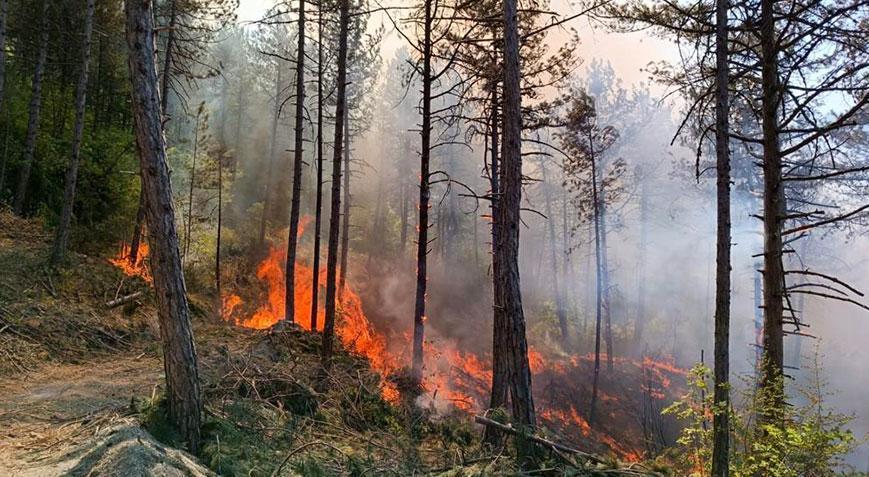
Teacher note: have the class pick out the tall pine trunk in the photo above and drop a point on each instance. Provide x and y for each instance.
(508, 214)
(33, 121)
(4, 8)
(500, 325)
(335, 212)
(318, 207)
(295, 201)
(345, 213)
(165, 79)
(62, 233)
(424, 191)
(721, 394)
(605, 271)
(773, 218)
(599, 264)
(179, 352)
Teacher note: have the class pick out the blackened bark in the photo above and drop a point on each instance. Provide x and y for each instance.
(508, 213)
(424, 191)
(179, 352)
(62, 233)
(773, 218)
(721, 394)
(335, 212)
(33, 121)
(4, 8)
(318, 212)
(295, 201)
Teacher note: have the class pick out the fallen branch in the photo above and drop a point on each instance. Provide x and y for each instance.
(124, 299)
(539, 440)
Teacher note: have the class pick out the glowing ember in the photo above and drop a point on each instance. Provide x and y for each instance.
(139, 269)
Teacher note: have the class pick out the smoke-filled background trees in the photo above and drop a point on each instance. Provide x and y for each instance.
(540, 251)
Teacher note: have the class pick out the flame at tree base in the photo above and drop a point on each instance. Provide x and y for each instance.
(138, 269)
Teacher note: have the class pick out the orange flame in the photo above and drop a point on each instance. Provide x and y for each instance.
(138, 269)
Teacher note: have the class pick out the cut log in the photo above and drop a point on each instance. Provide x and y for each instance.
(124, 299)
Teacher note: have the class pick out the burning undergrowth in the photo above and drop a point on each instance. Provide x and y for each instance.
(457, 380)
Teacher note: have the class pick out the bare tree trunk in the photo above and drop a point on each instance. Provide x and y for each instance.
(267, 195)
(164, 104)
(335, 213)
(295, 202)
(721, 393)
(508, 249)
(318, 214)
(424, 191)
(773, 218)
(345, 214)
(599, 264)
(500, 323)
(189, 230)
(33, 121)
(62, 233)
(167, 60)
(560, 312)
(605, 275)
(219, 229)
(179, 352)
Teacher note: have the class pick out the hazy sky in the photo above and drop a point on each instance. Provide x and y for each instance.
(628, 53)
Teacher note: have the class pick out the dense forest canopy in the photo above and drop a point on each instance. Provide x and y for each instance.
(542, 212)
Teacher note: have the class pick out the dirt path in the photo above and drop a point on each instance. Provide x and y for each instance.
(49, 411)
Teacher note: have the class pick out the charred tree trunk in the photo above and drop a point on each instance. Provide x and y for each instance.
(335, 212)
(33, 121)
(721, 393)
(424, 191)
(508, 214)
(137, 229)
(318, 207)
(560, 312)
(345, 214)
(773, 218)
(295, 201)
(598, 261)
(267, 195)
(179, 352)
(62, 233)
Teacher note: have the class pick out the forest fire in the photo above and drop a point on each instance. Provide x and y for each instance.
(460, 380)
(138, 269)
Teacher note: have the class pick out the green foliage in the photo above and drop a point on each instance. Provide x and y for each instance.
(807, 441)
